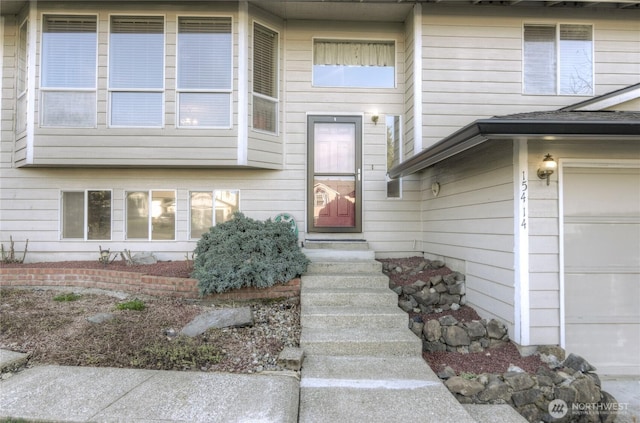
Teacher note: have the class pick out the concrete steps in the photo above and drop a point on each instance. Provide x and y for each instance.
(362, 363)
(360, 341)
(370, 317)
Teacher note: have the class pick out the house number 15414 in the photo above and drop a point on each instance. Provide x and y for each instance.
(523, 198)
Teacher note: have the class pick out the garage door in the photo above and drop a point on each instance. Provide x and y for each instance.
(602, 266)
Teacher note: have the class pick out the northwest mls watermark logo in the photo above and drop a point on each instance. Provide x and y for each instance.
(558, 408)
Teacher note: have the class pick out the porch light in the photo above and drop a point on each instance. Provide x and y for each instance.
(547, 168)
(375, 118)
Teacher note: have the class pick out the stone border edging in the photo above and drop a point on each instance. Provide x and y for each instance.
(137, 283)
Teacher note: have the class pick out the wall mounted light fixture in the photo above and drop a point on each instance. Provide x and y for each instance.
(375, 118)
(547, 168)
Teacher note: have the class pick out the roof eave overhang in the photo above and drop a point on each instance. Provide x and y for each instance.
(485, 129)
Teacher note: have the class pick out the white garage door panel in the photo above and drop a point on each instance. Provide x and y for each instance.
(609, 192)
(583, 304)
(595, 245)
(602, 266)
(612, 349)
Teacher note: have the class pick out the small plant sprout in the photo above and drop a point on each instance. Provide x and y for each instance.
(136, 305)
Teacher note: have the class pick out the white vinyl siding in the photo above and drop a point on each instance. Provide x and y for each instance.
(469, 223)
(136, 71)
(558, 59)
(204, 72)
(68, 71)
(265, 79)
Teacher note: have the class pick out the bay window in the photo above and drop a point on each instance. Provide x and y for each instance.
(68, 72)
(136, 71)
(204, 72)
(558, 59)
(86, 215)
(265, 79)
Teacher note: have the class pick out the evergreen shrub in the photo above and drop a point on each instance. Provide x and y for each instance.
(246, 252)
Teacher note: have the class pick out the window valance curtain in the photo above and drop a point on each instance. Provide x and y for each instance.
(353, 53)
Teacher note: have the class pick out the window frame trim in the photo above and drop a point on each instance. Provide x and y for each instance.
(557, 25)
(178, 91)
(150, 217)
(163, 90)
(400, 153)
(278, 76)
(379, 40)
(42, 90)
(213, 205)
(85, 214)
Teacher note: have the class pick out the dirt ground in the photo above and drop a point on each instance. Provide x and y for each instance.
(57, 332)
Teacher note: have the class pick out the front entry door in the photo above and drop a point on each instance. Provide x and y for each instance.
(334, 173)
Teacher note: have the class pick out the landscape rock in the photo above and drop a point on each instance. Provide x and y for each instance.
(455, 336)
(496, 329)
(226, 317)
(462, 386)
(495, 390)
(447, 320)
(144, 258)
(518, 381)
(578, 363)
(475, 329)
(427, 297)
(432, 330)
(101, 318)
(446, 373)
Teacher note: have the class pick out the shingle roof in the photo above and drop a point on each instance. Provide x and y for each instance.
(560, 124)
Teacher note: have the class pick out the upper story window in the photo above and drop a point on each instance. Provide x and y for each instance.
(136, 71)
(558, 59)
(204, 72)
(265, 79)
(21, 94)
(68, 72)
(354, 63)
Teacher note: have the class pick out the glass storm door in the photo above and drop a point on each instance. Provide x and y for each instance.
(334, 178)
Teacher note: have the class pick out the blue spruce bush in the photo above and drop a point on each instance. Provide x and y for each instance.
(246, 252)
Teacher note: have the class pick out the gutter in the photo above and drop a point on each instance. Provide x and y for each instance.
(499, 128)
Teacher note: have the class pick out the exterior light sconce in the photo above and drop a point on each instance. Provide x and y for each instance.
(547, 168)
(375, 118)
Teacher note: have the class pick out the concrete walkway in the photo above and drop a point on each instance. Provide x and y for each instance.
(84, 394)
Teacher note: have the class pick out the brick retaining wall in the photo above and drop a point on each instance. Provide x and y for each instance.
(135, 283)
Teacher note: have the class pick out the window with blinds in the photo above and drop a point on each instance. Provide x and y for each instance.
(21, 94)
(204, 79)
(265, 79)
(136, 71)
(354, 63)
(68, 71)
(558, 59)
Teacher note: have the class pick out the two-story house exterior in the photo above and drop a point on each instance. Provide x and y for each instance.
(138, 125)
